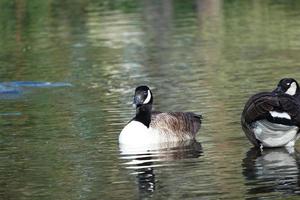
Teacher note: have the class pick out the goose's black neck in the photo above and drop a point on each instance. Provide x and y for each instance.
(143, 114)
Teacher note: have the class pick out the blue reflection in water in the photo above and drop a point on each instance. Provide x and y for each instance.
(11, 114)
(36, 84)
(14, 89)
(9, 89)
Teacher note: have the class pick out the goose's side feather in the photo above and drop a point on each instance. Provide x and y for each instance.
(182, 125)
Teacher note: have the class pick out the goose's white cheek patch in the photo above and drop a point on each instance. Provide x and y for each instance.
(147, 100)
(292, 89)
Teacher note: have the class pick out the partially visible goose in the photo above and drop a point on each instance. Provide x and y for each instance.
(157, 127)
(272, 119)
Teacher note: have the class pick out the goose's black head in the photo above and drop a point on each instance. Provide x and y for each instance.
(287, 86)
(142, 96)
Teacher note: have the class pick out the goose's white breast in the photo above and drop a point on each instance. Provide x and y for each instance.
(136, 133)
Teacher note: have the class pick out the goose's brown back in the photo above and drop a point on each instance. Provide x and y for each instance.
(180, 124)
(259, 106)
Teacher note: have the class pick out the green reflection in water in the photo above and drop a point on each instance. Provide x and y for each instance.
(202, 56)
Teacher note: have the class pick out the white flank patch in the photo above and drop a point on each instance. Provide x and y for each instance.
(292, 89)
(147, 100)
(280, 115)
(275, 135)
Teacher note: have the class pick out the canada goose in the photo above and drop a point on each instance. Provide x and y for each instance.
(272, 119)
(156, 127)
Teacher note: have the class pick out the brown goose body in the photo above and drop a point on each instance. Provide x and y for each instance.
(182, 125)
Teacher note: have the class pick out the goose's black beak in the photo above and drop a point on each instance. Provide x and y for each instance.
(137, 100)
(279, 90)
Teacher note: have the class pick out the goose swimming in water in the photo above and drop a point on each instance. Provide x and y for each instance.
(272, 119)
(157, 127)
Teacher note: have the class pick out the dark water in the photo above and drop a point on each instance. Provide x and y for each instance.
(205, 56)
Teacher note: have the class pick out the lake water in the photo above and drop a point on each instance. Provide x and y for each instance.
(60, 140)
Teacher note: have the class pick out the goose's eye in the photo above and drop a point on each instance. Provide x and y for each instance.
(288, 84)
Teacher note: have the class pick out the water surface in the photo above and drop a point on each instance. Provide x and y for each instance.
(202, 56)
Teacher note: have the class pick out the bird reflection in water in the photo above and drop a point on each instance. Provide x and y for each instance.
(271, 172)
(145, 160)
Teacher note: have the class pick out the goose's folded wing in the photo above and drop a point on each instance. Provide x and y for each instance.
(258, 106)
(176, 122)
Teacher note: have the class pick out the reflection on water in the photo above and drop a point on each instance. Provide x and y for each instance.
(272, 172)
(145, 161)
(15, 89)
